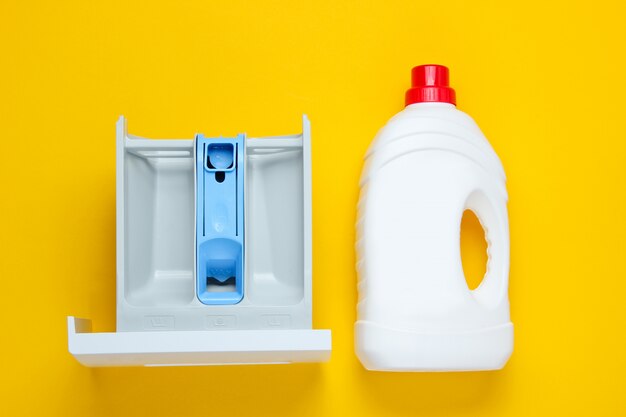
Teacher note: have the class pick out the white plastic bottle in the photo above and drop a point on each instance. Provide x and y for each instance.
(427, 166)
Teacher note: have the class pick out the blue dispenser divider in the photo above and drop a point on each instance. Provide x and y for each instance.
(219, 219)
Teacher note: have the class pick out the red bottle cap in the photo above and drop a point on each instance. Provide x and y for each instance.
(430, 83)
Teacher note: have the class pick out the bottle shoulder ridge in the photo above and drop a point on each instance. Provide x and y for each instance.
(418, 119)
(413, 121)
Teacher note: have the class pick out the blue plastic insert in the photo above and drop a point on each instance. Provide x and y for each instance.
(219, 219)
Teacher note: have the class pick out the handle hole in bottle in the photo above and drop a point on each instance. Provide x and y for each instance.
(473, 250)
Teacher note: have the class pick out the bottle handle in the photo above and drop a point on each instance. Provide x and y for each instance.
(493, 217)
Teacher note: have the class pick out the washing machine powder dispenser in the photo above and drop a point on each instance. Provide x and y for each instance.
(214, 261)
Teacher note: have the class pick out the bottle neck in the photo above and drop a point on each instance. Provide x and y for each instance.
(430, 104)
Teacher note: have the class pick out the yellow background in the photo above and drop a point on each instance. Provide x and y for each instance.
(545, 81)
